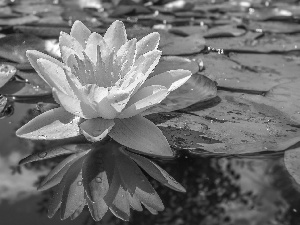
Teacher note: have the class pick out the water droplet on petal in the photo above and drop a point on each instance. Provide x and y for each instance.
(79, 183)
(42, 154)
(98, 179)
(43, 137)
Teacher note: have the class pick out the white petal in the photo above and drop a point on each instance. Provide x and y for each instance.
(144, 99)
(75, 106)
(126, 57)
(54, 75)
(91, 46)
(70, 42)
(141, 135)
(144, 66)
(147, 44)
(96, 129)
(51, 125)
(115, 35)
(80, 32)
(171, 79)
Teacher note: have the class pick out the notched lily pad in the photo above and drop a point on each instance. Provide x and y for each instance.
(224, 31)
(234, 126)
(167, 63)
(197, 89)
(256, 42)
(6, 73)
(14, 46)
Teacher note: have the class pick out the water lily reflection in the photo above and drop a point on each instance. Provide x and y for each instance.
(103, 176)
(102, 88)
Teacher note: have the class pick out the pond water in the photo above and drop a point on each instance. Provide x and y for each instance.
(234, 125)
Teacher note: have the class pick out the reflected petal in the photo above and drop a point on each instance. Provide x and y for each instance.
(156, 172)
(141, 135)
(51, 125)
(73, 194)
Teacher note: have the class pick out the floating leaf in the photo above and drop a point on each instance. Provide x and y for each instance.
(182, 45)
(224, 31)
(14, 46)
(19, 20)
(292, 163)
(254, 42)
(253, 72)
(238, 124)
(6, 73)
(274, 27)
(197, 89)
(167, 63)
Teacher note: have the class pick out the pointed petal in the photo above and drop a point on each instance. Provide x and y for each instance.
(125, 58)
(70, 42)
(134, 202)
(115, 35)
(55, 176)
(56, 151)
(144, 99)
(55, 200)
(136, 182)
(144, 66)
(95, 40)
(116, 198)
(172, 79)
(49, 70)
(151, 210)
(97, 172)
(80, 32)
(78, 211)
(74, 106)
(120, 207)
(51, 125)
(147, 44)
(73, 194)
(53, 81)
(66, 52)
(96, 129)
(156, 172)
(97, 209)
(141, 135)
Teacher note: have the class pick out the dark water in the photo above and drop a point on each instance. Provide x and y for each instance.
(253, 190)
(235, 190)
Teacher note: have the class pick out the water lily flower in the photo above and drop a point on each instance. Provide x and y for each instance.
(103, 176)
(102, 89)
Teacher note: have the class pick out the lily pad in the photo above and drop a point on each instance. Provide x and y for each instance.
(197, 89)
(14, 46)
(230, 74)
(236, 125)
(274, 27)
(19, 20)
(292, 163)
(6, 73)
(269, 43)
(167, 63)
(224, 31)
(171, 44)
